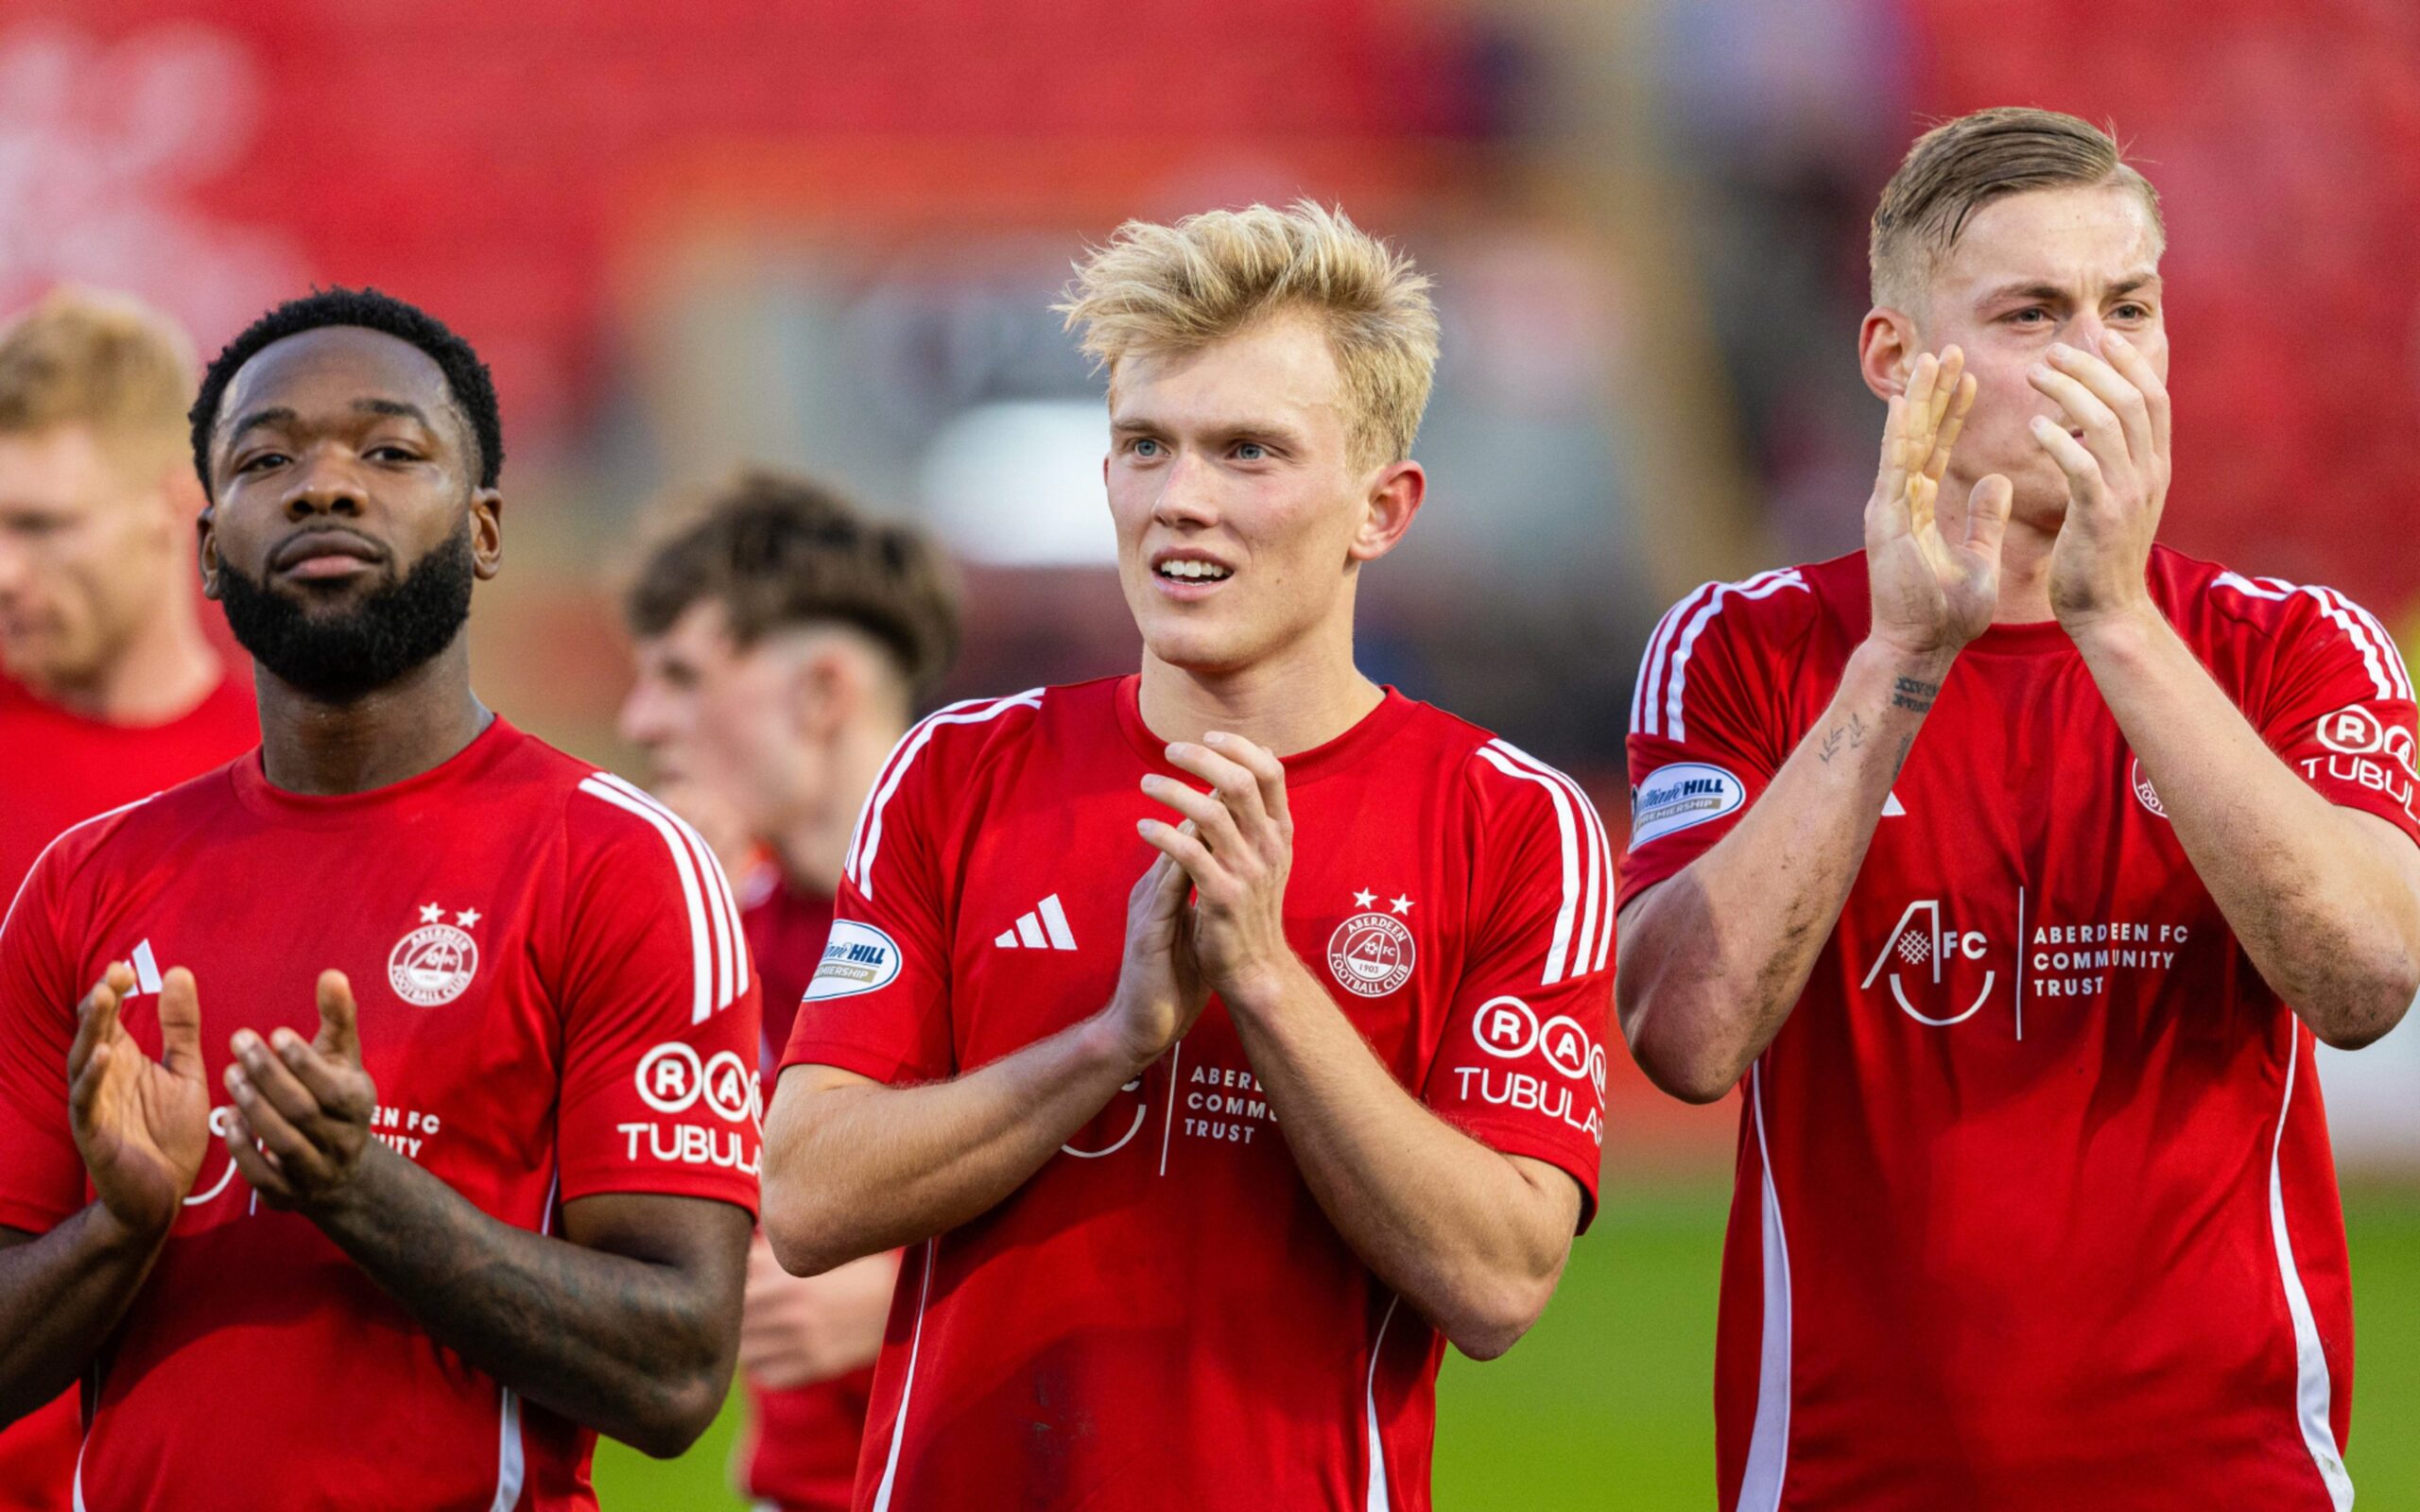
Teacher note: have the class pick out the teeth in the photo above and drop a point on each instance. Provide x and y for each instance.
(1194, 571)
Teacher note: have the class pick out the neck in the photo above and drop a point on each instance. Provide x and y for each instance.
(415, 723)
(1305, 697)
(813, 846)
(162, 672)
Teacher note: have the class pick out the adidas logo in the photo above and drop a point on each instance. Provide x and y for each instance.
(1891, 807)
(1045, 929)
(147, 970)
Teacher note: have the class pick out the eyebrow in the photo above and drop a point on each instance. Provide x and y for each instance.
(2053, 292)
(1271, 428)
(280, 415)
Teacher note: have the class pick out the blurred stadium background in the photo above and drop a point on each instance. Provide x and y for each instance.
(824, 233)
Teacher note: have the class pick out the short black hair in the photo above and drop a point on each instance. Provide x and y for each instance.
(466, 376)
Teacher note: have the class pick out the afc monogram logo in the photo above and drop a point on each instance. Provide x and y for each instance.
(1925, 944)
(1372, 954)
(434, 964)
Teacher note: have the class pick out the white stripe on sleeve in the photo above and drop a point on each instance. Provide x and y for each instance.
(869, 824)
(1597, 912)
(1764, 585)
(1559, 949)
(702, 1002)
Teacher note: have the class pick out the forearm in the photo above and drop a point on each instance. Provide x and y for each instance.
(1712, 959)
(1460, 1231)
(60, 1295)
(853, 1168)
(2327, 917)
(623, 1346)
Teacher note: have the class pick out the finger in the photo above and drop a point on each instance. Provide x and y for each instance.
(271, 1078)
(1946, 386)
(339, 1037)
(1235, 783)
(181, 1024)
(96, 1017)
(1921, 384)
(1952, 422)
(259, 1169)
(1888, 508)
(1267, 772)
(296, 1152)
(1186, 850)
(84, 1086)
(2102, 434)
(2128, 359)
(332, 1084)
(2114, 389)
(1987, 511)
(1922, 491)
(2085, 483)
(1213, 820)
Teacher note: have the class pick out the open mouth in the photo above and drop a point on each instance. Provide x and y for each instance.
(1192, 570)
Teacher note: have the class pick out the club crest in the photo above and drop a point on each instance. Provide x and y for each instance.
(434, 964)
(1371, 954)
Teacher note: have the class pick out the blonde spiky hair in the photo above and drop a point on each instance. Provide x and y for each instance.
(1178, 288)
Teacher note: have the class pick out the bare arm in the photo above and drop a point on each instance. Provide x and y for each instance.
(629, 1323)
(795, 1330)
(1472, 1238)
(2326, 900)
(1712, 961)
(142, 1126)
(853, 1167)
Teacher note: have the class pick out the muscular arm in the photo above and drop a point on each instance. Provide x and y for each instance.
(60, 1293)
(2326, 900)
(1474, 1239)
(1712, 959)
(853, 1167)
(629, 1323)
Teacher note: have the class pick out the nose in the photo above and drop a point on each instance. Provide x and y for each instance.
(326, 481)
(2084, 334)
(1187, 493)
(641, 721)
(16, 566)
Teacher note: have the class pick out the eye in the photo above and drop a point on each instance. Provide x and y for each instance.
(393, 452)
(259, 462)
(1250, 452)
(2132, 311)
(2031, 315)
(1144, 446)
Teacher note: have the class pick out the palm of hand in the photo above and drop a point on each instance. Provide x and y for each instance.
(146, 1135)
(1934, 572)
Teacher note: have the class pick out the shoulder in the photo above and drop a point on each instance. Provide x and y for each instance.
(1550, 854)
(88, 849)
(2206, 601)
(947, 751)
(1755, 621)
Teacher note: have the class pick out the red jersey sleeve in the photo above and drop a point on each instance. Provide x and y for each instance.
(661, 1010)
(1705, 732)
(42, 1176)
(878, 1004)
(1522, 1063)
(2338, 706)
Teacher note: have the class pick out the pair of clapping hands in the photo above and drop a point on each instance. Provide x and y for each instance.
(298, 1129)
(1934, 558)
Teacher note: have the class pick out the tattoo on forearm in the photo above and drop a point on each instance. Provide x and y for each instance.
(1911, 693)
(1851, 734)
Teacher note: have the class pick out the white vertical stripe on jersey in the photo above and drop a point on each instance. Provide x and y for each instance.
(1596, 924)
(1764, 585)
(701, 1003)
(510, 1469)
(1376, 1499)
(870, 841)
(1651, 662)
(2276, 590)
(1560, 950)
(899, 1419)
(730, 946)
(27, 880)
(2311, 1388)
(1769, 1444)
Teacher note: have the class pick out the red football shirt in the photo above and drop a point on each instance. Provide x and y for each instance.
(56, 770)
(555, 1002)
(1162, 1316)
(801, 1450)
(2034, 1202)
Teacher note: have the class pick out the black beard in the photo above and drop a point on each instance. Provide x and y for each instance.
(342, 657)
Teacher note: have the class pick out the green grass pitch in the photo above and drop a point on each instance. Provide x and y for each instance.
(1607, 1405)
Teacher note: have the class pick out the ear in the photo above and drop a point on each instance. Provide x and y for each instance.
(825, 690)
(205, 527)
(487, 532)
(1395, 495)
(1888, 346)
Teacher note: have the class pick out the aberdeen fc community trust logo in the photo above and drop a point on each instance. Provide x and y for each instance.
(434, 963)
(1371, 954)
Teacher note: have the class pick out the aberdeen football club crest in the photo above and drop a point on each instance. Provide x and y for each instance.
(434, 964)
(1371, 954)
